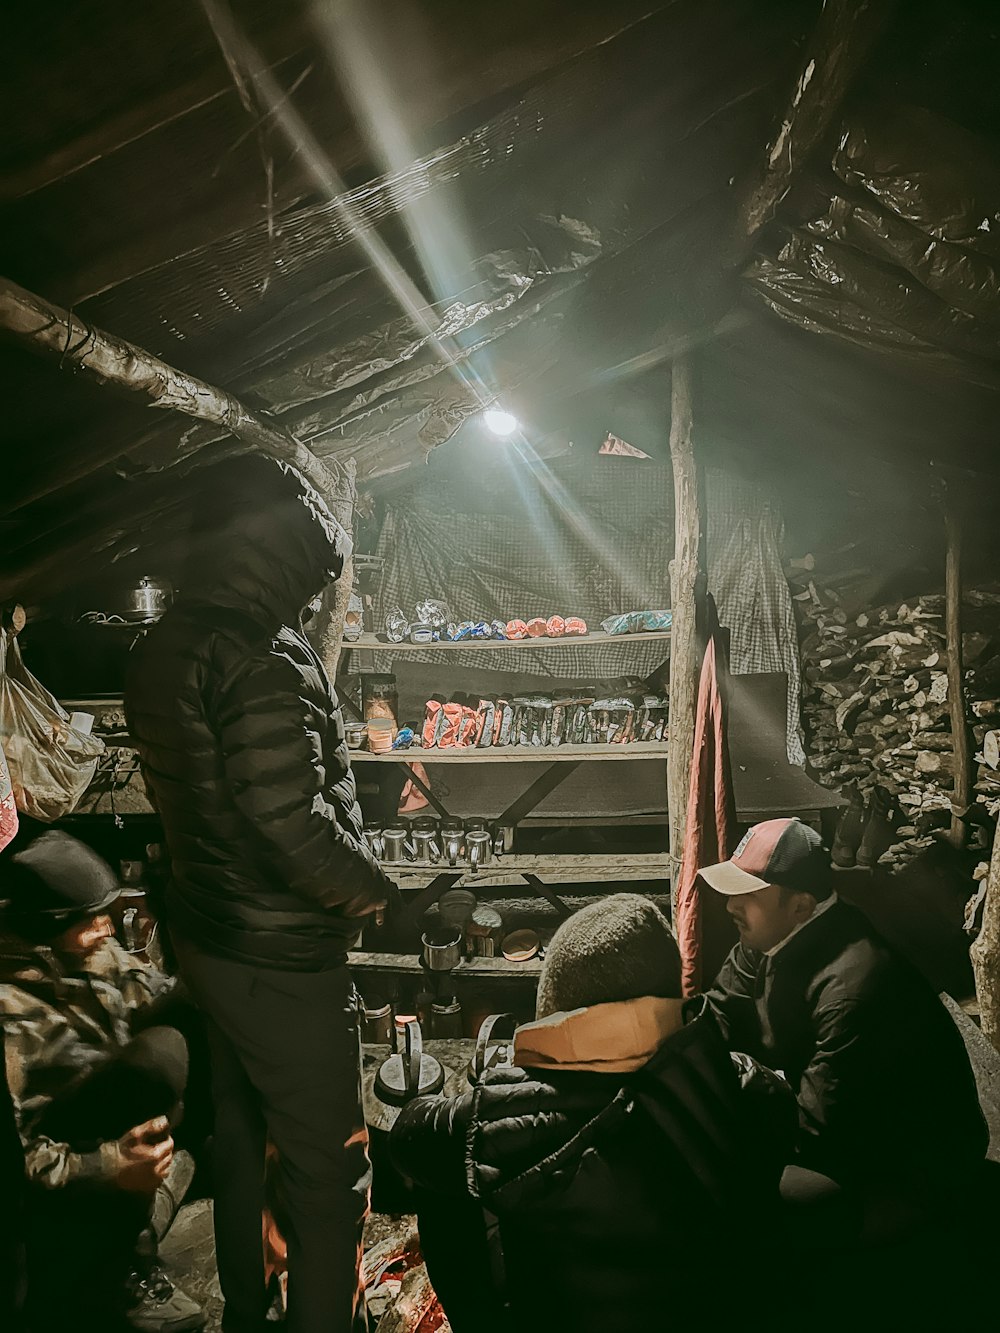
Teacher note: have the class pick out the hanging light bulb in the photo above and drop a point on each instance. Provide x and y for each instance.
(499, 422)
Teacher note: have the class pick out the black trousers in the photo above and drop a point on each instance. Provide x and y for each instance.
(82, 1238)
(286, 1058)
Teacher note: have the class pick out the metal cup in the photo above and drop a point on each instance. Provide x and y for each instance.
(478, 847)
(442, 947)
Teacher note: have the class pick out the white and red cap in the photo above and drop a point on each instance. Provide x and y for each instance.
(779, 851)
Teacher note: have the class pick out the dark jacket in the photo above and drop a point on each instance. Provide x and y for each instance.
(242, 740)
(607, 1186)
(882, 1077)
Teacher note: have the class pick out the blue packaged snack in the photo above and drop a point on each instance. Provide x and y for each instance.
(404, 738)
(637, 622)
(481, 630)
(499, 629)
(464, 631)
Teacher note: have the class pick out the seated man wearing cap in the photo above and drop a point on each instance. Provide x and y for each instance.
(94, 1102)
(888, 1108)
(624, 1129)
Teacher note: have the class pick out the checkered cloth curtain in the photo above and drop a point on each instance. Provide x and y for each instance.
(592, 546)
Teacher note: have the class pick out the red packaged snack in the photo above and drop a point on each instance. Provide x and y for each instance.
(555, 627)
(454, 714)
(574, 625)
(517, 629)
(537, 628)
(432, 716)
(467, 727)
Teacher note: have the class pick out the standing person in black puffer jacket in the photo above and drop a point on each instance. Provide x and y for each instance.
(624, 1175)
(242, 746)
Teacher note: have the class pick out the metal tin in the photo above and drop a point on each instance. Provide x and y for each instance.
(485, 931)
(378, 1021)
(446, 1017)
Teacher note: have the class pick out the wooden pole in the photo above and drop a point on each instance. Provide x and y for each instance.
(986, 952)
(47, 328)
(962, 793)
(687, 589)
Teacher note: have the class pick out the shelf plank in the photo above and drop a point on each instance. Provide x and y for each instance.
(371, 643)
(517, 754)
(364, 961)
(508, 870)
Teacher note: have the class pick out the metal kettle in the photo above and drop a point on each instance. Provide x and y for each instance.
(147, 601)
(408, 1073)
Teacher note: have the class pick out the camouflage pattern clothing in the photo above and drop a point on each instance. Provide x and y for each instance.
(60, 1024)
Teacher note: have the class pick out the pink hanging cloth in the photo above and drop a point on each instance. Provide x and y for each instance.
(8, 810)
(711, 821)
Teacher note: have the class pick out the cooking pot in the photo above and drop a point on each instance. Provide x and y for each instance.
(146, 602)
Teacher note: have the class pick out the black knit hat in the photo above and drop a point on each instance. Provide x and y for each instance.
(620, 948)
(55, 883)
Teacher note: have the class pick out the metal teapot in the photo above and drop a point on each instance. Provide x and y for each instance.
(494, 1046)
(147, 601)
(408, 1073)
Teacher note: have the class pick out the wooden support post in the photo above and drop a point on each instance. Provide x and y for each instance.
(687, 591)
(986, 952)
(341, 504)
(962, 793)
(47, 328)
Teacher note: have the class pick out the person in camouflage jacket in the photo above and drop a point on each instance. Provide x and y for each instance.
(95, 1090)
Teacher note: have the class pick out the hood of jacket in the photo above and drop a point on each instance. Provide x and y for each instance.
(678, 1102)
(264, 543)
(614, 1038)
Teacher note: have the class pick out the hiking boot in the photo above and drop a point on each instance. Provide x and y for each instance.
(879, 829)
(849, 830)
(157, 1306)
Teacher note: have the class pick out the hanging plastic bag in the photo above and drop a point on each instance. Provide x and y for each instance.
(50, 763)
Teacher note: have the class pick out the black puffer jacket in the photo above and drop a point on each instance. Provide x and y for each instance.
(242, 740)
(618, 1195)
(885, 1089)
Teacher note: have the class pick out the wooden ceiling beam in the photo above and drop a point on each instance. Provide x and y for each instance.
(46, 328)
(843, 38)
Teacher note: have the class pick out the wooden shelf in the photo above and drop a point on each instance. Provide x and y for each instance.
(517, 754)
(554, 869)
(363, 961)
(371, 643)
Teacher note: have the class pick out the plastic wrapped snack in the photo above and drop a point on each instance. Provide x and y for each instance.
(555, 627)
(434, 613)
(499, 629)
(637, 622)
(575, 625)
(397, 627)
(517, 629)
(537, 628)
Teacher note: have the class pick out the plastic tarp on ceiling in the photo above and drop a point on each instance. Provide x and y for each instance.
(905, 257)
